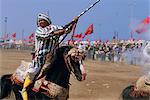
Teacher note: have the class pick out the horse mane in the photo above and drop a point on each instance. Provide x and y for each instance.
(62, 50)
(59, 54)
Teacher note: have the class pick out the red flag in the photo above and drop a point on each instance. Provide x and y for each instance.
(78, 35)
(143, 26)
(13, 35)
(31, 36)
(89, 30)
(146, 20)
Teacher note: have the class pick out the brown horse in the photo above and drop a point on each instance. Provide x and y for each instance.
(55, 83)
(139, 91)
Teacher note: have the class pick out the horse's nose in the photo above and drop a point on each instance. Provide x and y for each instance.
(84, 76)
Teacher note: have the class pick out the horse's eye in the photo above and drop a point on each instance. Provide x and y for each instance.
(73, 57)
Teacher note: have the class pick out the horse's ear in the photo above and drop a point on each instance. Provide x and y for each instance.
(66, 49)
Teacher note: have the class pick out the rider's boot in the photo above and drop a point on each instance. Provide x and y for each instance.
(27, 82)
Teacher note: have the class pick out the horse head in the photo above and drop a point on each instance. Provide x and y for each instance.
(74, 62)
(139, 91)
(143, 84)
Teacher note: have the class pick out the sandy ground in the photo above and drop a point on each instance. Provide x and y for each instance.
(104, 81)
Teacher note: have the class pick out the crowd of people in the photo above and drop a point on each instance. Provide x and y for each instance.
(126, 51)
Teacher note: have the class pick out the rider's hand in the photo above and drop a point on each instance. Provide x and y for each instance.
(75, 19)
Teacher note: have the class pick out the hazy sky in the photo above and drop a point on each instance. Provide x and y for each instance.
(108, 16)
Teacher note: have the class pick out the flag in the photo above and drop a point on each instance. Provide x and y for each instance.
(13, 35)
(89, 30)
(31, 35)
(78, 35)
(143, 26)
(146, 20)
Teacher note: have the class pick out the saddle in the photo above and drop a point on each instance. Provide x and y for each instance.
(48, 88)
(21, 72)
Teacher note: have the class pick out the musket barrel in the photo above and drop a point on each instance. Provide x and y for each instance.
(88, 8)
(83, 12)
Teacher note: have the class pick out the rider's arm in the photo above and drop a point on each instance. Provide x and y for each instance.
(43, 33)
(60, 30)
(57, 30)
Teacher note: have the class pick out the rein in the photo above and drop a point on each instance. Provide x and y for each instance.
(68, 64)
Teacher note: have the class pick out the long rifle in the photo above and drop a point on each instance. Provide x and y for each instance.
(87, 9)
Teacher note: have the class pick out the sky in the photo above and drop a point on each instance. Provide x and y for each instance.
(107, 16)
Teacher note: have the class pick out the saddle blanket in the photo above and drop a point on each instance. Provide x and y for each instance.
(21, 71)
(50, 89)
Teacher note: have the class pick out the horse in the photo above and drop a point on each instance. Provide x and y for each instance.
(54, 84)
(138, 91)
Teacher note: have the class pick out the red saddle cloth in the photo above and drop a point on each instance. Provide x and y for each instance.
(50, 89)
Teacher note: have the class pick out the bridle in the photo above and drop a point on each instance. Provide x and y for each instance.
(75, 55)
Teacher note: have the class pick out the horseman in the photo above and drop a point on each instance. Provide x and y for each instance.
(46, 41)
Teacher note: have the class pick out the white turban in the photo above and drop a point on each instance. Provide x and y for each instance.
(44, 16)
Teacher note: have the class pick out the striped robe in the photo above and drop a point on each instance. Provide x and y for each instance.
(45, 42)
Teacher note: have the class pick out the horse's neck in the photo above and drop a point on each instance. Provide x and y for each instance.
(58, 73)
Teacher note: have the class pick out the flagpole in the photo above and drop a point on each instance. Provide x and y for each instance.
(5, 32)
(23, 35)
(117, 36)
(99, 30)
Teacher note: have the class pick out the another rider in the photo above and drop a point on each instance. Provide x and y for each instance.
(46, 41)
